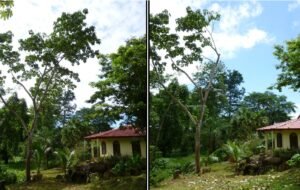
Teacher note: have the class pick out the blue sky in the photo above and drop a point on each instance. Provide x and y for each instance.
(245, 36)
(257, 64)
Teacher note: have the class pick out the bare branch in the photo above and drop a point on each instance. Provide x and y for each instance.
(23, 86)
(41, 80)
(174, 98)
(185, 73)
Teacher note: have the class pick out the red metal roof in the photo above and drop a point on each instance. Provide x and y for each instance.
(287, 125)
(124, 131)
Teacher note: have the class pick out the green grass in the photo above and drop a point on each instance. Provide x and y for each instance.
(222, 177)
(50, 183)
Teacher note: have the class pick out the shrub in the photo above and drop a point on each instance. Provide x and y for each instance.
(158, 164)
(154, 153)
(294, 161)
(9, 177)
(188, 167)
(234, 151)
(129, 166)
(285, 154)
(158, 171)
(253, 146)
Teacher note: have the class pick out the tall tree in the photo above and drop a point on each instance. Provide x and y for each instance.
(234, 93)
(69, 42)
(289, 57)
(276, 108)
(84, 122)
(196, 36)
(123, 82)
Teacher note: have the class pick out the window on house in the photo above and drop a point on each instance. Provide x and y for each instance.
(95, 151)
(116, 147)
(293, 141)
(103, 147)
(136, 148)
(279, 140)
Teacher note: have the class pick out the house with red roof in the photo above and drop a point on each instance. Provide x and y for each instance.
(283, 135)
(122, 141)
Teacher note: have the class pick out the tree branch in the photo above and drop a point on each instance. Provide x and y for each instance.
(174, 98)
(46, 89)
(26, 90)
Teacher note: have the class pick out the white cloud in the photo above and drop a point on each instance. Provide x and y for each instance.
(115, 21)
(235, 31)
(230, 43)
(293, 5)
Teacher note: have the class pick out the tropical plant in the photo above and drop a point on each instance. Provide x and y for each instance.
(294, 161)
(67, 158)
(234, 151)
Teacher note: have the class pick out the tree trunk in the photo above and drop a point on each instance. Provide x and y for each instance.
(28, 157)
(197, 148)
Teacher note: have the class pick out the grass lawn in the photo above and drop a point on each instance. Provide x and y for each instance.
(50, 183)
(222, 177)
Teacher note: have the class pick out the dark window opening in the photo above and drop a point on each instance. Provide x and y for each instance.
(136, 148)
(116, 147)
(103, 147)
(96, 151)
(279, 140)
(293, 141)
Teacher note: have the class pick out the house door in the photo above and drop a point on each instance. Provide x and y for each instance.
(293, 141)
(116, 147)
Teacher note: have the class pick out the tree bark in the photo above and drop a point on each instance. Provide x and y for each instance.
(197, 148)
(28, 157)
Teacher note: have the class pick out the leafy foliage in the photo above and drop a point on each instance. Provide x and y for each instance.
(294, 161)
(9, 177)
(129, 166)
(234, 151)
(123, 82)
(275, 107)
(289, 56)
(10, 127)
(5, 9)
(67, 158)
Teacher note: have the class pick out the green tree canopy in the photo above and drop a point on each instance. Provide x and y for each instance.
(123, 83)
(276, 108)
(289, 57)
